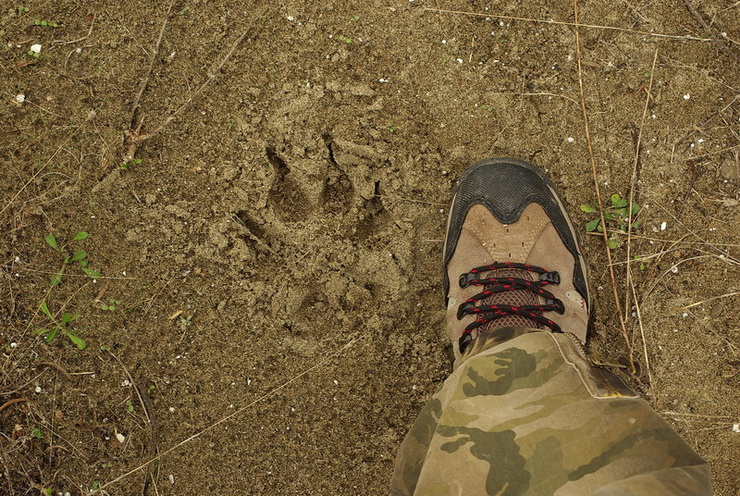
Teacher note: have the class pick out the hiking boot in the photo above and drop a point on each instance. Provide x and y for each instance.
(512, 257)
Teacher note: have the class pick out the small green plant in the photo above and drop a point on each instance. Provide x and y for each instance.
(34, 54)
(76, 256)
(129, 406)
(391, 128)
(95, 485)
(184, 10)
(45, 24)
(126, 165)
(344, 39)
(111, 305)
(36, 432)
(355, 18)
(617, 214)
(49, 492)
(63, 326)
(150, 389)
(21, 9)
(185, 322)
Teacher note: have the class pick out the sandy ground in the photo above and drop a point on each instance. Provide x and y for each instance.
(272, 254)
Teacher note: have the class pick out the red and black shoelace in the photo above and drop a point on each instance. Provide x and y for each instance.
(494, 285)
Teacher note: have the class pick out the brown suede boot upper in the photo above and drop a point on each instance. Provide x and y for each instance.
(531, 239)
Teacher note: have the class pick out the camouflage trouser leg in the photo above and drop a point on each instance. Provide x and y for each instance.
(525, 413)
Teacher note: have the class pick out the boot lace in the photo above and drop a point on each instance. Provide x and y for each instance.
(486, 313)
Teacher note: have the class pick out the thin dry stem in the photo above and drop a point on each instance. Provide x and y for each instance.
(633, 185)
(598, 191)
(228, 417)
(574, 24)
(90, 116)
(135, 137)
(145, 80)
(638, 312)
(692, 305)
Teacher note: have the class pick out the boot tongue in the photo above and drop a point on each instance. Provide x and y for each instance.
(513, 298)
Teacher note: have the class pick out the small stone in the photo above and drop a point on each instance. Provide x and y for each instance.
(36, 48)
(37, 389)
(20, 98)
(120, 437)
(686, 96)
(663, 225)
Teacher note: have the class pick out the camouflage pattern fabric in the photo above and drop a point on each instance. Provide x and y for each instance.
(524, 413)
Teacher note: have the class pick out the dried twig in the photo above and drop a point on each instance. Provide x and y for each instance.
(135, 137)
(209, 428)
(11, 402)
(633, 184)
(698, 17)
(598, 192)
(574, 24)
(148, 408)
(58, 368)
(90, 116)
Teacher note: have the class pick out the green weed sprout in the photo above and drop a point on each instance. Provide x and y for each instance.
(617, 215)
(70, 257)
(111, 305)
(45, 24)
(127, 165)
(62, 326)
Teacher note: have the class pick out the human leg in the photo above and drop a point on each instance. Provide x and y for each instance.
(524, 412)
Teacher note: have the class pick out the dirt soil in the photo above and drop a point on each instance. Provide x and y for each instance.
(268, 315)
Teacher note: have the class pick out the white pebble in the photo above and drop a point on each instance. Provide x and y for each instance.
(290, 18)
(13, 345)
(125, 383)
(171, 478)
(20, 98)
(735, 427)
(36, 48)
(663, 225)
(570, 139)
(674, 269)
(38, 389)
(121, 438)
(444, 42)
(459, 61)
(686, 96)
(172, 409)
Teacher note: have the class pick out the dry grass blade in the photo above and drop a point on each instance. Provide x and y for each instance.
(597, 189)
(132, 124)
(90, 116)
(629, 292)
(692, 305)
(270, 393)
(574, 24)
